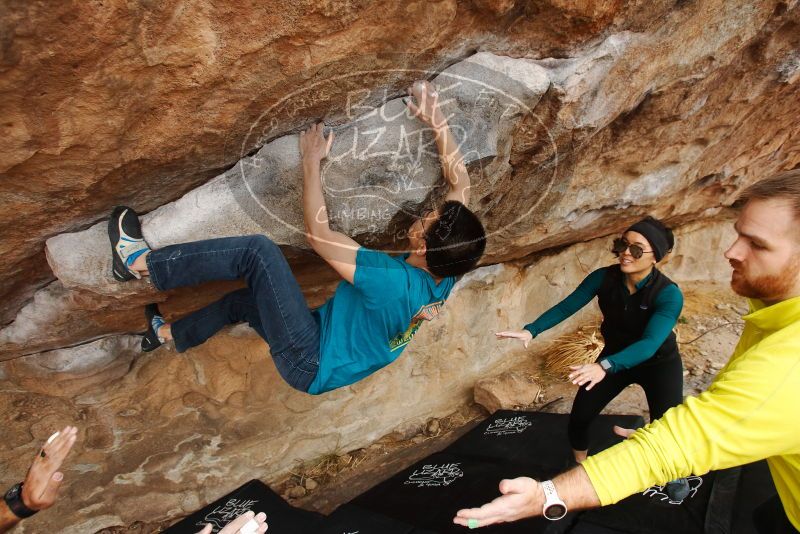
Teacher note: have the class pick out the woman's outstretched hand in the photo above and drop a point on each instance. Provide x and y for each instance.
(588, 375)
(522, 335)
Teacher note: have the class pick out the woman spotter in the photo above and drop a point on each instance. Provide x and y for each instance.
(640, 308)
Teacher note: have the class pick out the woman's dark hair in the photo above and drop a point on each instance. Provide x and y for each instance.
(455, 241)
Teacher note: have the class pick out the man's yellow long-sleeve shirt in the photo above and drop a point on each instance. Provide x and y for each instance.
(750, 412)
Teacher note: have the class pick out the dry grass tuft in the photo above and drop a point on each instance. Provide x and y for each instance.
(578, 348)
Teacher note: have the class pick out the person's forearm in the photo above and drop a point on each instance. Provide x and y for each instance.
(555, 315)
(315, 213)
(576, 490)
(7, 518)
(642, 350)
(453, 167)
(569, 306)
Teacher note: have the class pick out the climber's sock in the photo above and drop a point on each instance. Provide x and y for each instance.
(132, 258)
(156, 323)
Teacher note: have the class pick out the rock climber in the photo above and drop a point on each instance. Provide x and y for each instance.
(376, 309)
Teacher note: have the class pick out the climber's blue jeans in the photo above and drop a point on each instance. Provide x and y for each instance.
(272, 302)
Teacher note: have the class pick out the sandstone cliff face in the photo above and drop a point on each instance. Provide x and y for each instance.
(113, 102)
(577, 117)
(136, 103)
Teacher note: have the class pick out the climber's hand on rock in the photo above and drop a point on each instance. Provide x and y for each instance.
(523, 335)
(424, 104)
(314, 147)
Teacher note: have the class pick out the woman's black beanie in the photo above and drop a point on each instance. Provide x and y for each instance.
(659, 236)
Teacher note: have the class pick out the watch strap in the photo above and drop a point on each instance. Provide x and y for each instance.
(13, 499)
(550, 493)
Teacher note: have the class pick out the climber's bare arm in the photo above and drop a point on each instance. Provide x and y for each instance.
(334, 247)
(424, 105)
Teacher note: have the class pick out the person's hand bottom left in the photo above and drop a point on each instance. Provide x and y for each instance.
(44, 478)
(247, 523)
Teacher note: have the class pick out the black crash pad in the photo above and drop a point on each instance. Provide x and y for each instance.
(536, 438)
(467, 473)
(284, 519)
(349, 519)
(653, 512)
(255, 496)
(754, 489)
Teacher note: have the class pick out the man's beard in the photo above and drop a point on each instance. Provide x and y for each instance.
(772, 287)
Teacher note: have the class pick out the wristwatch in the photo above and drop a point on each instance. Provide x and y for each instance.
(605, 364)
(13, 499)
(554, 508)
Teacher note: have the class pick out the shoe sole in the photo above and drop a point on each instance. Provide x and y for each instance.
(150, 340)
(119, 270)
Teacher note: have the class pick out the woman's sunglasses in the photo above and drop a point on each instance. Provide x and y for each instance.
(620, 245)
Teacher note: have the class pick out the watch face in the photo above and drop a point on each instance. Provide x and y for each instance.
(13, 492)
(555, 511)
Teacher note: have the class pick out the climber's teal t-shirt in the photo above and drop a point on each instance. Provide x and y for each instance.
(367, 324)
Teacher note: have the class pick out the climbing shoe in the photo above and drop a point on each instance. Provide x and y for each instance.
(151, 341)
(127, 242)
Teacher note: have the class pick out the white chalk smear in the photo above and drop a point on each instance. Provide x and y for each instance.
(250, 527)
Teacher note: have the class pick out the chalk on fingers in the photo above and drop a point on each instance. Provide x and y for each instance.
(251, 527)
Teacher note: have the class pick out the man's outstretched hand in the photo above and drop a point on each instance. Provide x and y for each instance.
(44, 478)
(247, 523)
(522, 497)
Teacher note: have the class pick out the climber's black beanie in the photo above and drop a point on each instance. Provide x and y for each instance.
(659, 236)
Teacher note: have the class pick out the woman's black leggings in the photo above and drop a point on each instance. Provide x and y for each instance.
(662, 381)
